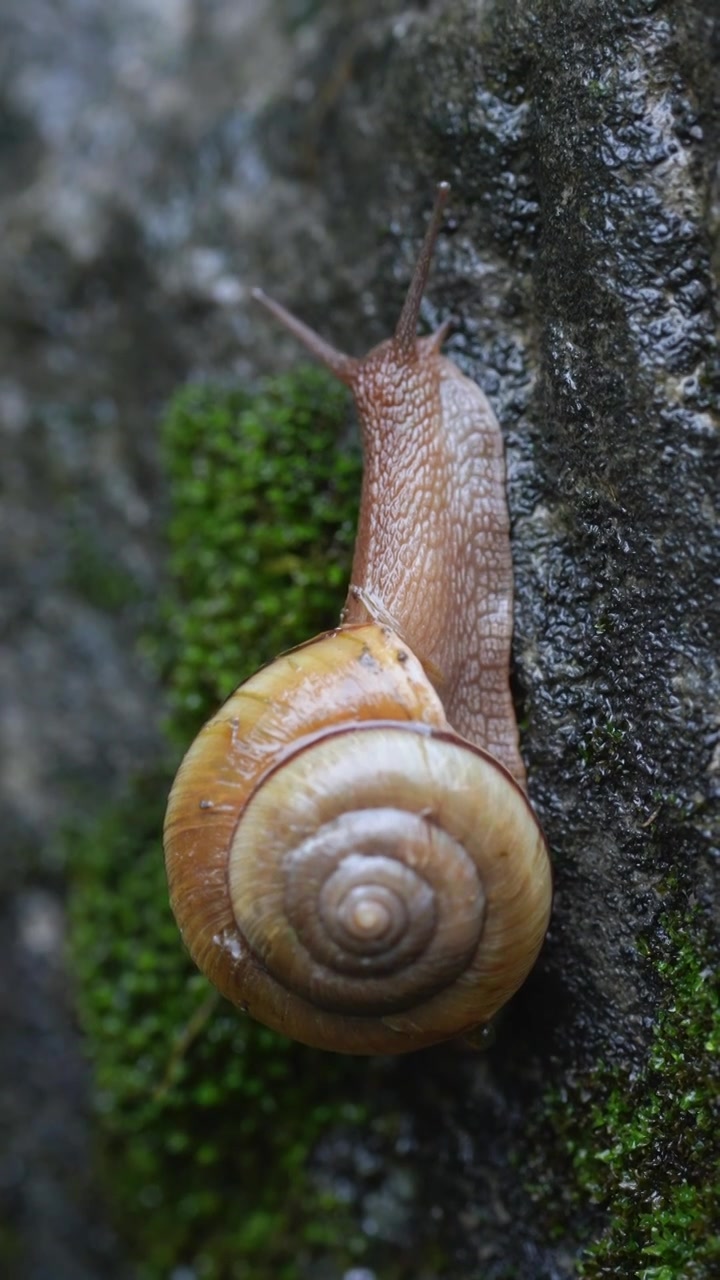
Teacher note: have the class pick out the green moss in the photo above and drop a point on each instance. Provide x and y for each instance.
(599, 749)
(643, 1146)
(206, 1118)
(265, 500)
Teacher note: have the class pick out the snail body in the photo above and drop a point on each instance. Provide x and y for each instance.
(351, 854)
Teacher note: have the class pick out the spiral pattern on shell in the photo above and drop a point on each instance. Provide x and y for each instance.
(357, 905)
(371, 885)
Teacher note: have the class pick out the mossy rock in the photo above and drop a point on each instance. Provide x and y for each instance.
(637, 1153)
(264, 495)
(207, 1118)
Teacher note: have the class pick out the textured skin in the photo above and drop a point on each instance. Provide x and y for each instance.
(432, 558)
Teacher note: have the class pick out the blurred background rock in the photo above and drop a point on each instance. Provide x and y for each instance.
(127, 185)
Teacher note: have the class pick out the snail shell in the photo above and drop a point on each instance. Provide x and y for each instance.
(369, 883)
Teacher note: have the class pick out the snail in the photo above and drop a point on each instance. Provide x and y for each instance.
(351, 853)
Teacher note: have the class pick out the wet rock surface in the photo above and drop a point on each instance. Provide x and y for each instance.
(156, 160)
